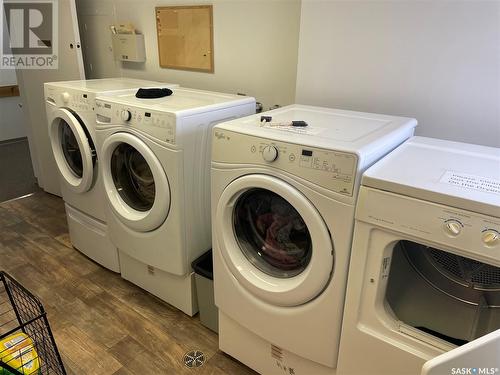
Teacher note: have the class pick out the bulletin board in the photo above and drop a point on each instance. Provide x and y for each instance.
(185, 37)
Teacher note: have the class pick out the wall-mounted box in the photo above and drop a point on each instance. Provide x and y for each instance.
(129, 47)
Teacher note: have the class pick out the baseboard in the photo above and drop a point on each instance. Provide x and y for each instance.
(13, 140)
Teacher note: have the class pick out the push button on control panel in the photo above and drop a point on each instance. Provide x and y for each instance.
(453, 227)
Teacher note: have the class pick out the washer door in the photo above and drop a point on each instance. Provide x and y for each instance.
(135, 182)
(273, 240)
(73, 149)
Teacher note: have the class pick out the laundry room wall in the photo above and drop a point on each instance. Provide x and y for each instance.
(437, 61)
(11, 116)
(255, 45)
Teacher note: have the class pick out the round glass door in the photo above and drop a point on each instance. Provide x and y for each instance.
(271, 233)
(73, 150)
(133, 178)
(135, 182)
(273, 240)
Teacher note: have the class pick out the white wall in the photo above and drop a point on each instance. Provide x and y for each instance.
(437, 61)
(11, 117)
(255, 45)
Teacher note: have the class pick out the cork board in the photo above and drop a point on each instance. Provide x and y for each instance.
(185, 37)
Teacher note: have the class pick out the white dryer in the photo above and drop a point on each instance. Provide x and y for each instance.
(424, 277)
(155, 156)
(70, 107)
(283, 201)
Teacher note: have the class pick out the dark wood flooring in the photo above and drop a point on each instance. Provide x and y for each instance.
(102, 323)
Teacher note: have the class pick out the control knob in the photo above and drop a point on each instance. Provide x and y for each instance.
(126, 115)
(65, 97)
(270, 153)
(490, 237)
(453, 227)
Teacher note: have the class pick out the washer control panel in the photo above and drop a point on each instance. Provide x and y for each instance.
(333, 170)
(158, 124)
(72, 99)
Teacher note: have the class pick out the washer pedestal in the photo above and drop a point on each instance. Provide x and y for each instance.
(178, 291)
(90, 237)
(261, 355)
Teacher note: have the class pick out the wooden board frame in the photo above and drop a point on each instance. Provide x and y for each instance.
(206, 57)
(9, 91)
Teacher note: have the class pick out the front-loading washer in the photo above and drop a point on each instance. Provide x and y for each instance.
(283, 200)
(424, 278)
(155, 165)
(70, 107)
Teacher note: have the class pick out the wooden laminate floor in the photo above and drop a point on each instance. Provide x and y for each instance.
(102, 323)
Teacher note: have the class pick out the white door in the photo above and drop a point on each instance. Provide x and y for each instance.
(31, 82)
(73, 150)
(273, 240)
(95, 19)
(135, 183)
(481, 356)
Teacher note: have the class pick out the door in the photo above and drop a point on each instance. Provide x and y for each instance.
(31, 82)
(73, 150)
(94, 19)
(136, 184)
(273, 240)
(481, 356)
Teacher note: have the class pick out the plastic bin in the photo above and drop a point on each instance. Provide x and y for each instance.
(204, 276)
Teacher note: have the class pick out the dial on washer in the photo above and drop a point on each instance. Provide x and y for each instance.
(270, 153)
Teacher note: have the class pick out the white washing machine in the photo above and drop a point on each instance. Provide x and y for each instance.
(424, 277)
(71, 125)
(155, 158)
(283, 201)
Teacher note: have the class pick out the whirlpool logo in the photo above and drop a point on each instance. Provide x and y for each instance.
(474, 371)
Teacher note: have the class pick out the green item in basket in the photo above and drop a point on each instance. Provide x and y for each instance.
(18, 352)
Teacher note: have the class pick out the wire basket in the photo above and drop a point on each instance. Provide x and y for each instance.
(27, 346)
